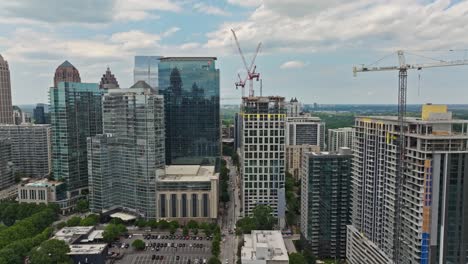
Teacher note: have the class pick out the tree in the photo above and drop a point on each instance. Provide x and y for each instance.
(163, 224)
(90, 220)
(246, 225)
(174, 224)
(152, 223)
(74, 221)
(264, 220)
(195, 231)
(185, 231)
(172, 229)
(112, 232)
(296, 258)
(138, 244)
(51, 251)
(214, 260)
(9, 215)
(215, 249)
(140, 222)
(192, 224)
(61, 225)
(82, 206)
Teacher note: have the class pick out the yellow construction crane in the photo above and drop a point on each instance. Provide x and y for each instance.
(402, 92)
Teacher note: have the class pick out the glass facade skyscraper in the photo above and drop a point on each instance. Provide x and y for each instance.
(146, 69)
(190, 86)
(76, 114)
(124, 159)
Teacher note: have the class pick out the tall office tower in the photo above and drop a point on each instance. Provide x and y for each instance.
(7, 178)
(125, 158)
(30, 148)
(6, 108)
(237, 131)
(339, 138)
(190, 86)
(39, 114)
(66, 72)
(294, 158)
(263, 152)
(76, 114)
(294, 108)
(108, 80)
(325, 201)
(305, 130)
(18, 116)
(434, 226)
(146, 69)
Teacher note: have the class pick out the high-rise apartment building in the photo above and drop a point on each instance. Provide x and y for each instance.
(305, 130)
(76, 114)
(108, 80)
(66, 72)
(125, 158)
(325, 201)
(7, 178)
(294, 158)
(39, 114)
(146, 69)
(263, 153)
(190, 86)
(293, 107)
(340, 138)
(30, 148)
(433, 225)
(6, 107)
(237, 131)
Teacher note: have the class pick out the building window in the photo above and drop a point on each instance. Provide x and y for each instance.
(184, 205)
(173, 205)
(205, 205)
(194, 205)
(162, 205)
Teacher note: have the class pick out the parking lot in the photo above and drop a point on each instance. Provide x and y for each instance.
(165, 249)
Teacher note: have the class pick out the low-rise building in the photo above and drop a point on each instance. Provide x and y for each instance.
(264, 246)
(186, 192)
(41, 191)
(73, 234)
(88, 253)
(294, 158)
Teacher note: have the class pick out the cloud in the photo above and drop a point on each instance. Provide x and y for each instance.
(310, 26)
(245, 3)
(294, 64)
(209, 9)
(170, 32)
(142, 9)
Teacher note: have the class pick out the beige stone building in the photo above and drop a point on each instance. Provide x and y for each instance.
(186, 192)
(294, 158)
(41, 191)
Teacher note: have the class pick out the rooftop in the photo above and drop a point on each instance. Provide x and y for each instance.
(86, 249)
(416, 120)
(71, 234)
(125, 217)
(187, 173)
(264, 245)
(66, 64)
(43, 183)
(188, 58)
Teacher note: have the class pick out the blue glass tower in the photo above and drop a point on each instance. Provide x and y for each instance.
(190, 86)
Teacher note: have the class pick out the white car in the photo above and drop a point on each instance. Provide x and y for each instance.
(227, 261)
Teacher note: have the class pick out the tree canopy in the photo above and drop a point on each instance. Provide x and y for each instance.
(113, 231)
(51, 251)
(138, 244)
(296, 258)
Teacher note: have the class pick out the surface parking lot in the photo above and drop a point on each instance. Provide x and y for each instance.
(167, 249)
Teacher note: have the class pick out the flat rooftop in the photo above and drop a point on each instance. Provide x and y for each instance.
(83, 249)
(43, 183)
(270, 242)
(71, 234)
(188, 173)
(123, 216)
(414, 120)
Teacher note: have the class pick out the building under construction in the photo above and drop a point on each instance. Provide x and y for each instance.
(434, 194)
(263, 153)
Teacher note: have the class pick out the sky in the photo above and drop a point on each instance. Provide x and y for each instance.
(308, 47)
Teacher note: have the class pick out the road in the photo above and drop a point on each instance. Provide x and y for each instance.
(229, 241)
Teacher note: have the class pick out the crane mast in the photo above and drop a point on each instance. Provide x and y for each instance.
(401, 142)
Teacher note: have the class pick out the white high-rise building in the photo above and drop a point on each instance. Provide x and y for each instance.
(340, 138)
(263, 153)
(305, 130)
(434, 228)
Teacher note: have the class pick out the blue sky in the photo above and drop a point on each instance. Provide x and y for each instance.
(309, 47)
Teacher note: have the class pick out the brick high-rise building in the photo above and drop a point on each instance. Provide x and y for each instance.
(108, 80)
(66, 72)
(6, 108)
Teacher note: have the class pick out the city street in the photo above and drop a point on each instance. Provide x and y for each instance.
(229, 241)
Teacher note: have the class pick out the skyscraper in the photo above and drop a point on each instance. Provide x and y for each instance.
(6, 108)
(340, 138)
(325, 201)
(124, 159)
(293, 107)
(294, 158)
(146, 69)
(39, 114)
(66, 72)
(433, 225)
(108, 80)
(305, 130)
(190, 86)
(76, 114)
(30, 148)
(6, 164)
(263, 153)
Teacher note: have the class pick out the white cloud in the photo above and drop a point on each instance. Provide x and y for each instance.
(294, 64)
(170, 32)
(142, 9)
(308, 26)
(246, 3)
(209, 9)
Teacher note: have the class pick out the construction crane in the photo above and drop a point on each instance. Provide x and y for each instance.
(401, 147)
(251, 74)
